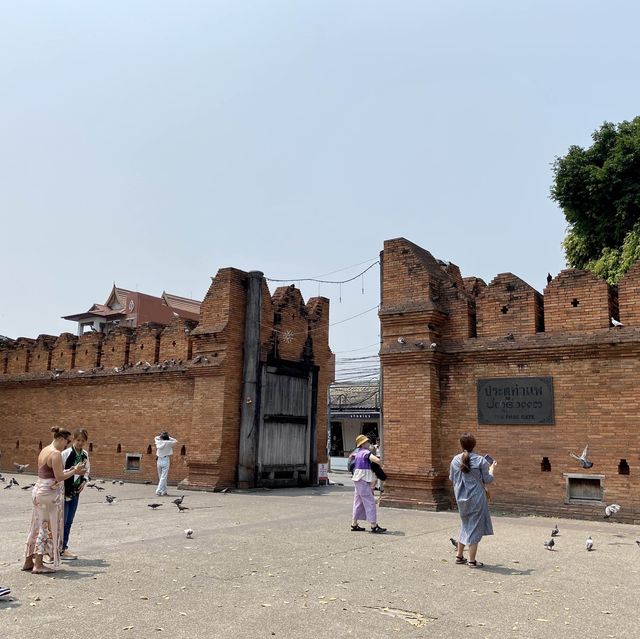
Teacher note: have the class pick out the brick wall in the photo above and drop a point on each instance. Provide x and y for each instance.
(186, 378)
(430, 395)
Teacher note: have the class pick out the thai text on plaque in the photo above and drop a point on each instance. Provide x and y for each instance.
(515, 400)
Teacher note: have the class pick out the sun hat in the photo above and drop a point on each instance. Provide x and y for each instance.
(361, 439)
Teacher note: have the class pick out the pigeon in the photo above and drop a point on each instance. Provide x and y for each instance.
(224, 491)
(8, 486)
(181, 508)
(146, 483)
(638, 542)
(613, 509)
(584, 462)
(121, 483)
(98, 487)
(589, 543)
(196, 359)
(616, 323)
(14, 482)
(433, 346)
(110, 498)
(113, 481)
(189, 533)
(91, 484)
(549, 278)
(454, 543)
(154, 506)
(510, 337)
(27, 487)
(549, 544)
(2, 478)
(178, 500)
(20, 468)
(555, 532)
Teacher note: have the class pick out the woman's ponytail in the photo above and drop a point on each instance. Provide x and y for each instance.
(468, 443)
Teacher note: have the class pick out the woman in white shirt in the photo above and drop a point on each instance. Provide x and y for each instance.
(164, 449)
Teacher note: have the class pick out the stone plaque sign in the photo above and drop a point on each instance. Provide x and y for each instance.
(515, 400)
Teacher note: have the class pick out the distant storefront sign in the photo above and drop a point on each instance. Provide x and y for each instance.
(339, 415)
(515, 400)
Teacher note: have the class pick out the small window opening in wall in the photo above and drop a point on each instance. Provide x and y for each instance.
(38, 356)
(86, 352)
(119, 449)
(133, 461)
(173, 343)
(575, 302)
(141, 346)
(40, 448)
(504, 310)
(183, 450)
(17, 443)
(149, 449)
(583, 488)
(90, 447)
(545, 465)
(623, 467)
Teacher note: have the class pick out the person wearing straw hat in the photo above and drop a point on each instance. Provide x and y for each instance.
(364, 480)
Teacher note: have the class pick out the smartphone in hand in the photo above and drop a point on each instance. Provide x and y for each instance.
(489, 459)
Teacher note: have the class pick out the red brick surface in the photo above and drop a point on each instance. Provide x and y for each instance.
(430, 393)
(127, 386)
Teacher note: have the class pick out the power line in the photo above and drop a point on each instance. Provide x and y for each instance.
(313, 279)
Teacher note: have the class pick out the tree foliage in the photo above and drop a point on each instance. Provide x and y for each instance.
(598, 189)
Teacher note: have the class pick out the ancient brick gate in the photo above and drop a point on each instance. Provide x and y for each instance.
(200, 382)
(444, 336)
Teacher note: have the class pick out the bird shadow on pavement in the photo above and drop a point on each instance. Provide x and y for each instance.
(394, 533)
(507, 571)
(6, 604)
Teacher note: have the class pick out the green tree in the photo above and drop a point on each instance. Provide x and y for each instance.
(598, 189)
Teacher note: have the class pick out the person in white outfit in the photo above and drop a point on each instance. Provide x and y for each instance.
(164, 449)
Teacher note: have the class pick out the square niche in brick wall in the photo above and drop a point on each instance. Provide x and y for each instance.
(132, 462)
(584, 489)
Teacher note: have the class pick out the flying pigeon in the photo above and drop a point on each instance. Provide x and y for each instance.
(181, 508)
(20, 467)
(555, 532)
(584, 462)
(154, 506)
(613, 509)
(454, 543)
(589, 543)
(110, 498)
(178, 500)
(616, 323)
(549, 544)
(189, 533)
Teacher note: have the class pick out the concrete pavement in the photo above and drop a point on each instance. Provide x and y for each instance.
(284, 563)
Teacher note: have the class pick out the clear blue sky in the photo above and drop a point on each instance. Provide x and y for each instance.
(153, 142)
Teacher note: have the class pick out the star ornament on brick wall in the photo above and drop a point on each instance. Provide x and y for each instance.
(287, 337)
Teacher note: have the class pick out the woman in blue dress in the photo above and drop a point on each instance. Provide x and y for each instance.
(470, 473)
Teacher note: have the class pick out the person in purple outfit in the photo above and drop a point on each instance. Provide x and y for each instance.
(364, 480)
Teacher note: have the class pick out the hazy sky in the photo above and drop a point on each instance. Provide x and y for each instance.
(151, 143)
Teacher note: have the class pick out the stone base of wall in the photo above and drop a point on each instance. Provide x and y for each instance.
(403, 490)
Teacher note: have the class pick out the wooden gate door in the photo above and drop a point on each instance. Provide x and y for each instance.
(286, 436)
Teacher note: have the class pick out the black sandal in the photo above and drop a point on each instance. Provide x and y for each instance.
(378, 529)
(357, 528)
(461, 560)
(475, 564)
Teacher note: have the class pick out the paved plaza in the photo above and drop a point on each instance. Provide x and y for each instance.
(284, 563)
